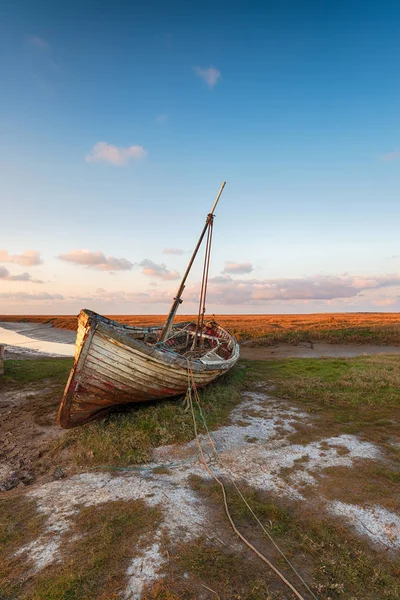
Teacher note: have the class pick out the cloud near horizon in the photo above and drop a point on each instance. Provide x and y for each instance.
(26, 296)
(5, 276)
(120, 297)
(96, 260)
(225, 290)
(238, 268)
(173, 251)
(152, 269)
(211, 75)
(29, 258)
(120, 156)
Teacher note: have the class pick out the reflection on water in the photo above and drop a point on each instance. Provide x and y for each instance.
(12, 338)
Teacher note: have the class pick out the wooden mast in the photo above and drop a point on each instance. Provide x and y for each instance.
(177, 300)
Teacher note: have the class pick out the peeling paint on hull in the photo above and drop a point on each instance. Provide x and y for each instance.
(117, 364)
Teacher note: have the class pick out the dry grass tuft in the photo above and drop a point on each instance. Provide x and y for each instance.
(95, 559)
(201, 570)
(20, 523)
(335, 562)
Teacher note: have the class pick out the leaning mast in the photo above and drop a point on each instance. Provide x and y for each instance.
(178, 300)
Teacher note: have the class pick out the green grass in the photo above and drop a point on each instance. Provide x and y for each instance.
(93, 566)
(128, 438)
(352, 382)
(29, 371)
(357, 396)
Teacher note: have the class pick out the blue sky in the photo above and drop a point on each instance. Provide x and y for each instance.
(118, 122)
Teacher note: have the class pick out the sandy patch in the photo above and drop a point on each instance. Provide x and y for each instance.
(144, 569)
(379, 524)
(184, 515)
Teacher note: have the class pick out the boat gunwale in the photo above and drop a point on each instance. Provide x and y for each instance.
(169, 356)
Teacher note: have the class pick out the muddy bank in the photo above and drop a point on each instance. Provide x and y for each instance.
(27, 424)
(314, 350)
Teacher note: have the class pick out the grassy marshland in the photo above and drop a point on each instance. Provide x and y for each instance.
(359, 396)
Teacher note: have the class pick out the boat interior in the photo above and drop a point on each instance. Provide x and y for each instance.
(208, 344)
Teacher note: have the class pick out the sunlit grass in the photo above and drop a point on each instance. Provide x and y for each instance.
(29, 371)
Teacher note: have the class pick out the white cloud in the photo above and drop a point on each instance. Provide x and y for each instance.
(96, 260)
(103, 152)
(385, 301)
(173, 251)
(161, 118)
(25, 297)
(26, 259)
(152, 269)
(211, 75)
(238, 268)
(5, 275)
(38, 42)
(120, 298)
(225, 290)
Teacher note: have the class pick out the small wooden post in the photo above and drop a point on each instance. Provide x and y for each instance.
(1, 359)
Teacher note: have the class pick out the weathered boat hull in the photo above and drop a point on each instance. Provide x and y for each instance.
(114, 366)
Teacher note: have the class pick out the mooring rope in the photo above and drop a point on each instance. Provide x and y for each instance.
(231, 477)
(192, 385)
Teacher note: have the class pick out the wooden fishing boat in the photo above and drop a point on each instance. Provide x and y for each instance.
(117, 364)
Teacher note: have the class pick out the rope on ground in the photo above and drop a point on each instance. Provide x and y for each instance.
(192, 385)
(231, 477)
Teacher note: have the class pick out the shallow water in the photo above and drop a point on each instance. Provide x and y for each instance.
(30, 337)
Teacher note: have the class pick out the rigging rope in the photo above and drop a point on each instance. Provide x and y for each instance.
(192, 385)
(204, 282)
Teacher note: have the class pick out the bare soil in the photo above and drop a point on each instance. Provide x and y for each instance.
(27, 424)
